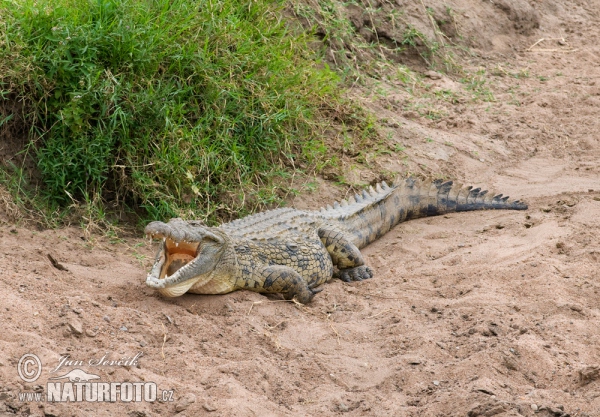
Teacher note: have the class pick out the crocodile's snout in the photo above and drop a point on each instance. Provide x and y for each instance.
(180, 231)
(157, 230)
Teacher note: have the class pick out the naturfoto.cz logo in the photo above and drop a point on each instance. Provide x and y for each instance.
(78, 385)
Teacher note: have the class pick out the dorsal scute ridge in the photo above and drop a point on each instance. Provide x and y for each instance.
(357, 202)
(259, 217)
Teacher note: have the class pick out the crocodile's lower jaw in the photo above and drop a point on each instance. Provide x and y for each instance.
(179, 289)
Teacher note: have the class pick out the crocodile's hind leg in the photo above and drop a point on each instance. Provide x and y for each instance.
(281, 279)
(344, 255)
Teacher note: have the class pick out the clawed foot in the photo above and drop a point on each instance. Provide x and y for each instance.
(358, 273)
(304, 297)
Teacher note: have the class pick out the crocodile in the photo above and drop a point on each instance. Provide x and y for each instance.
(293, 252)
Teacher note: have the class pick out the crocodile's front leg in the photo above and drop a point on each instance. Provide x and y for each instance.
(279, 279)
(344, 255)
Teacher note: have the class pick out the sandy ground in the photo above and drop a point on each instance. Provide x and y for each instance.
(470, 314)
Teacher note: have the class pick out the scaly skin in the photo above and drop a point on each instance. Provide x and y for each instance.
(293, 252)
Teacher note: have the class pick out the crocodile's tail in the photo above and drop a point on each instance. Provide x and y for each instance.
(372, 214)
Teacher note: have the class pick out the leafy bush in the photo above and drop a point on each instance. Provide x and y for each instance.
(172, 105)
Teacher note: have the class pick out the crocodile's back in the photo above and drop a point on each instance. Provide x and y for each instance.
(273, 224)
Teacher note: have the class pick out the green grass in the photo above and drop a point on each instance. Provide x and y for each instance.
(174, 107)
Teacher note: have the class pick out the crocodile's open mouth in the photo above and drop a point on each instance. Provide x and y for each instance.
(177, 254)
(187, 256)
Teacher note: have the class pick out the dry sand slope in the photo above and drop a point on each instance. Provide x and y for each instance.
(471, 314)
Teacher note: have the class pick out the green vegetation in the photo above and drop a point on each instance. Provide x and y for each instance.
(477, 83)
(177, 107)
(211, 109)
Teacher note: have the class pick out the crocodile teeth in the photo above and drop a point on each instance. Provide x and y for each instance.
(378, 188)
(176, 244)
(371, 190)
